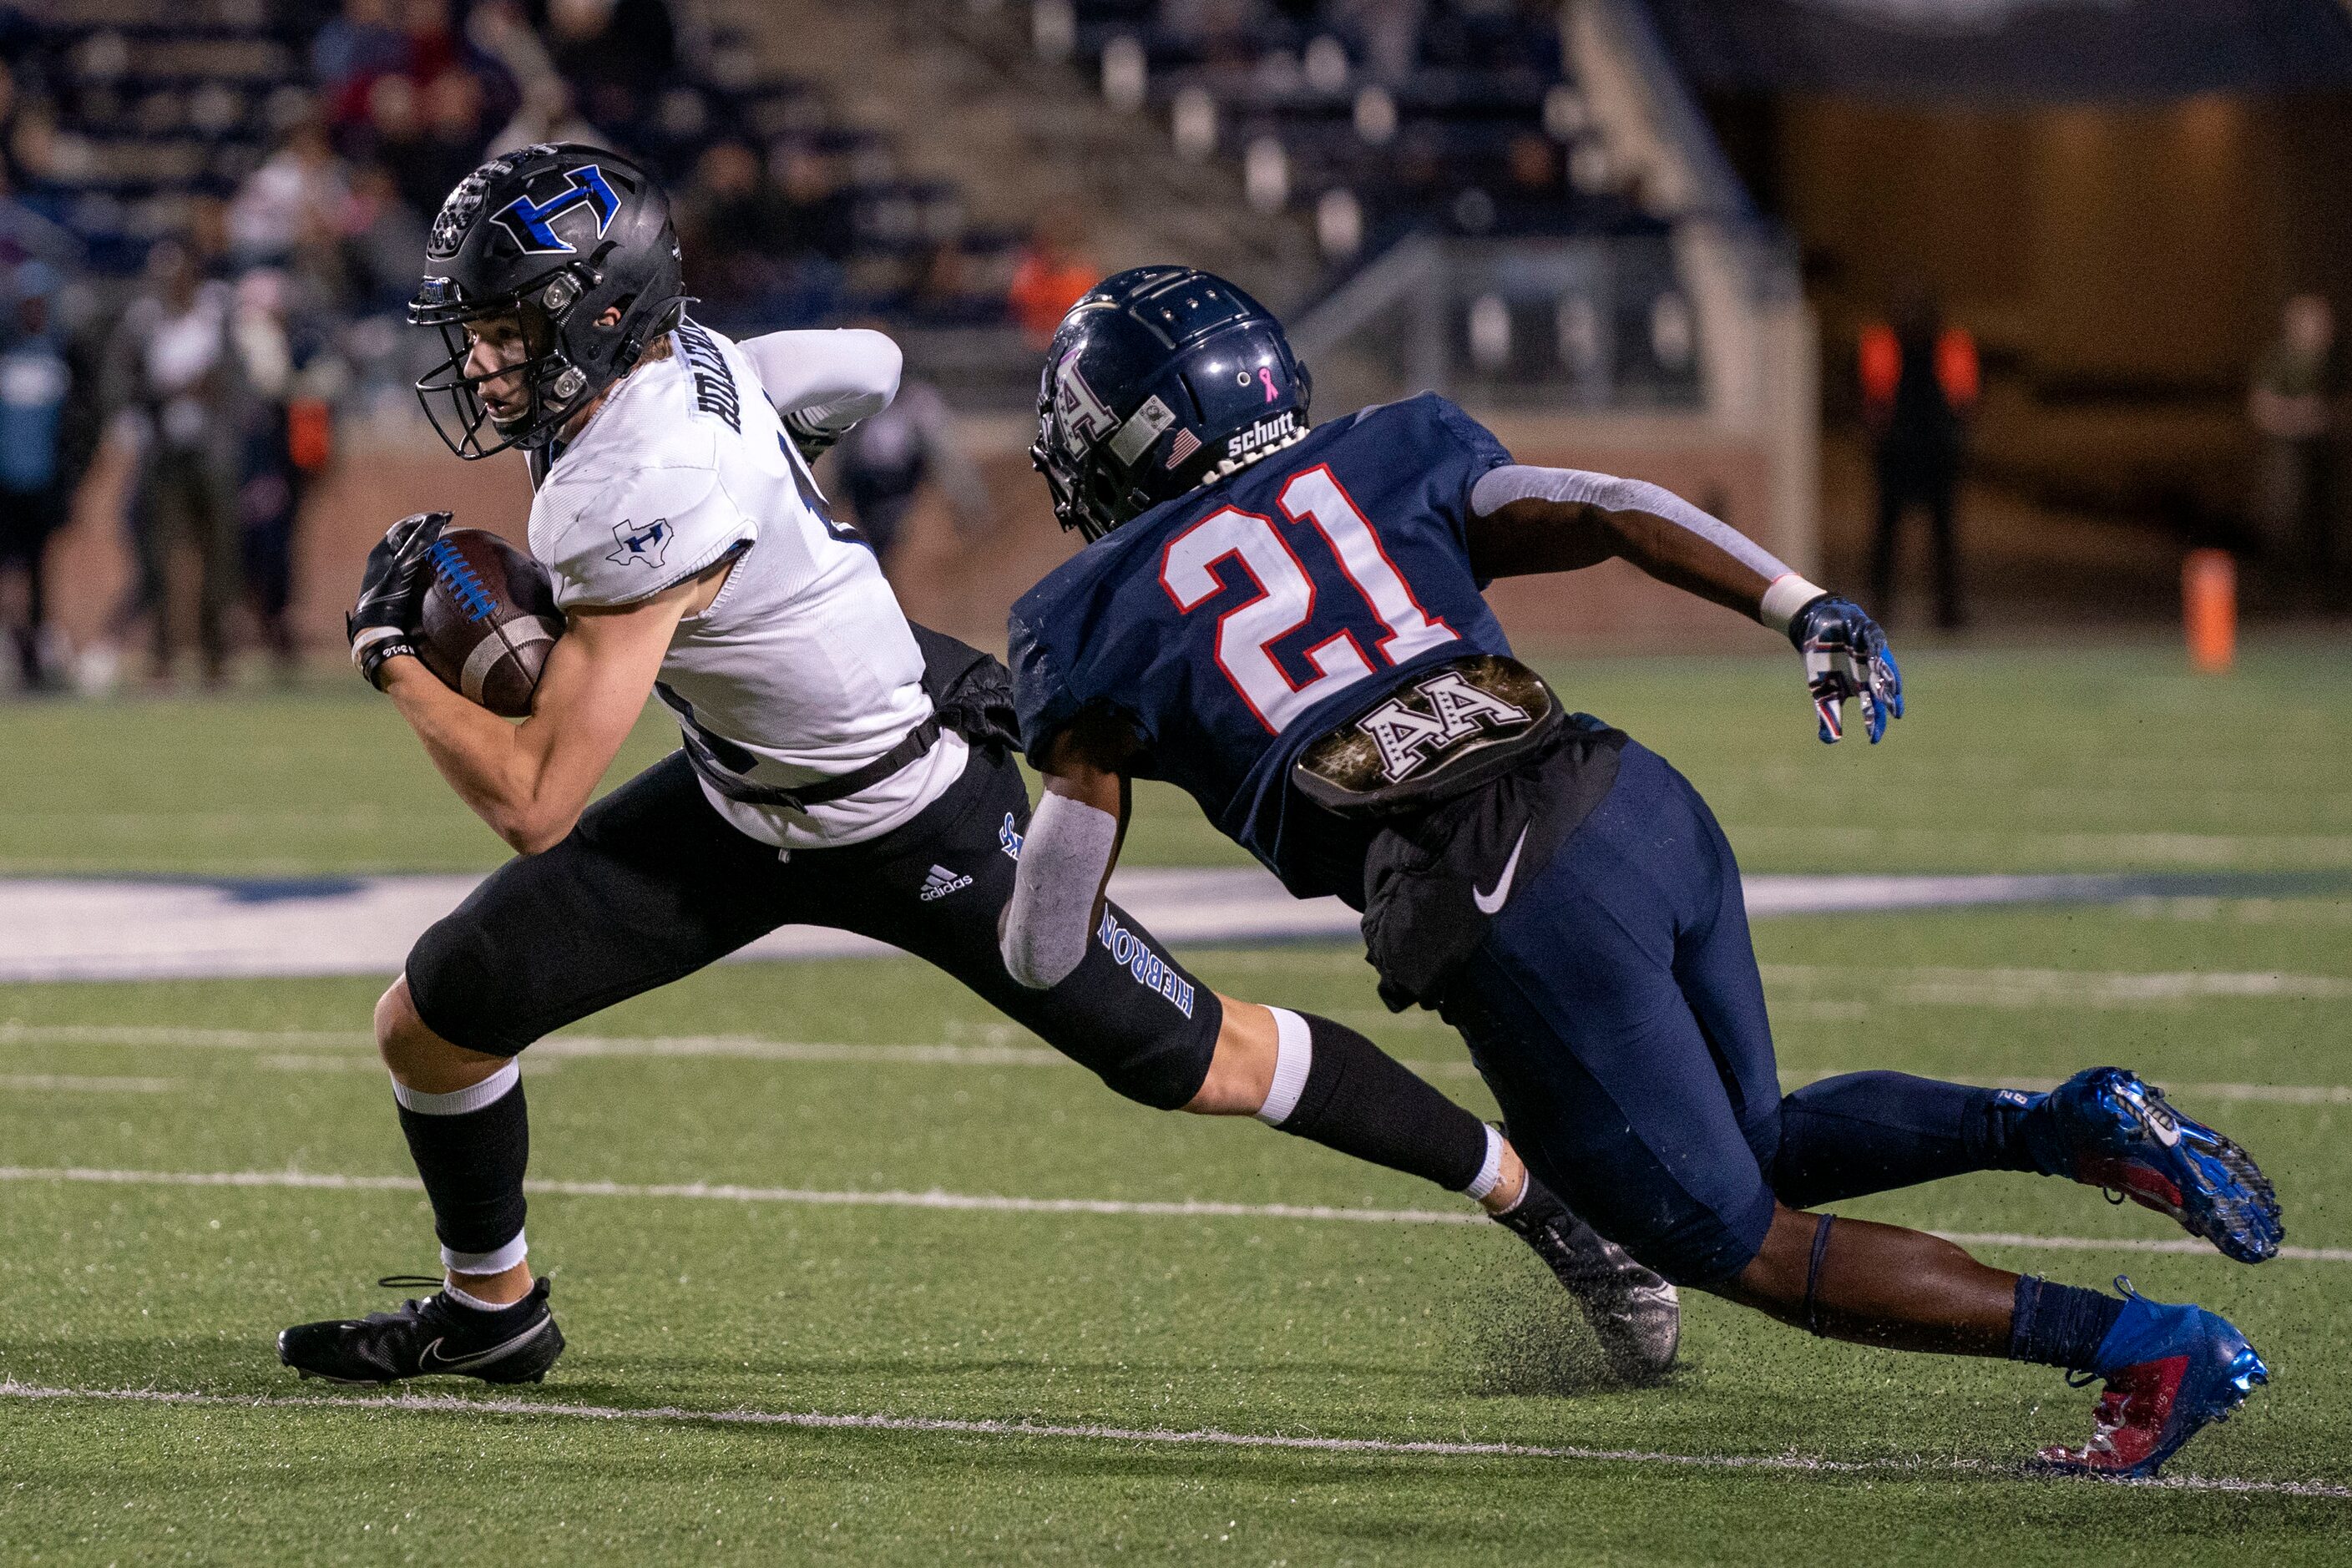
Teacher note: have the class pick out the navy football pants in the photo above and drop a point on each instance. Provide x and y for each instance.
(1616, 1012)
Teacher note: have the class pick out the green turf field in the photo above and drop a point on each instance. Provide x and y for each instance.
(2031, 760)
(788, 1084)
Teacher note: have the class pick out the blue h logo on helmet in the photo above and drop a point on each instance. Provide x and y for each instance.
(529, 222)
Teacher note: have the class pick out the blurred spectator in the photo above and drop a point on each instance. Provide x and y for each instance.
(207, 237)
(170, 369)
(886, 460)
(26, 235)
(817, 203)
(2292, 403)
(302, 177)
(1390, 31)
(451, 143)
(546, 115)
(432, 46)
(1053, 271)
(383, 240)
(39, 464)
(737, 228)
(351, 51)
(395, 136)
(1494, 35)
(616, 52)
(287, 379)
(1919, 384)
(12, 109)
(499, 31)
(1534, 195)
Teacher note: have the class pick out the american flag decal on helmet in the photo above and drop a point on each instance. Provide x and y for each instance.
(1183, 447)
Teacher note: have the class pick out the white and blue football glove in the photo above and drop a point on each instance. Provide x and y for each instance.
(1846, 656)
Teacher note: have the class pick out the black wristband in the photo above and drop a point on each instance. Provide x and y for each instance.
(370, 658)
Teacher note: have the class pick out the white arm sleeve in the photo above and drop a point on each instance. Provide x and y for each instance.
(1064, 855)
(1497, 487)
(825, 382)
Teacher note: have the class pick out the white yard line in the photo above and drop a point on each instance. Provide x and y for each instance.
(2256, 1093)
(746, 1047)
(13, 1033)
(1418, 1448)
(2055, 987)
(70, 1083)
(992, 1202)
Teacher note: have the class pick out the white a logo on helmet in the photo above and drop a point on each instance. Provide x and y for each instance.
(1084, 417)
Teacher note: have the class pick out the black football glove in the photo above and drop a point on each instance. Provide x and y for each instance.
(1846, 656)
(392, 593)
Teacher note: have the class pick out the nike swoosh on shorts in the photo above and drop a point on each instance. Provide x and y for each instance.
(1489, 902)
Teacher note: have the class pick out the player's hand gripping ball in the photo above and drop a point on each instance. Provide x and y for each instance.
(1846, 656)
(489, 620)
(392, 593)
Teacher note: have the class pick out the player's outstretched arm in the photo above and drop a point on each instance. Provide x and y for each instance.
(823, 382)
(531, 781)
(1067, 855)
(1525, 519)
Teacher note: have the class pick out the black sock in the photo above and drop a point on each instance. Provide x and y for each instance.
(471, 1147)
(1873, 1132)
(2059, 1325)
(1359, 1100)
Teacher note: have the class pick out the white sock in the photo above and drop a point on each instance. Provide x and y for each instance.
(498, 1262)
(1293, 1052)
(1490, 1173)
(463, 1300)
(458, 1102)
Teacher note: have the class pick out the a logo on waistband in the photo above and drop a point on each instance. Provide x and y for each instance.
(941, 882)
(1449, 710)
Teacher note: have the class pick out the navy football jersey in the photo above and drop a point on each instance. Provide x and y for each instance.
(1234, 625)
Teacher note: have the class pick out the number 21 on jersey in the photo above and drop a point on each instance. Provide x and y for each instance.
(1285, 600)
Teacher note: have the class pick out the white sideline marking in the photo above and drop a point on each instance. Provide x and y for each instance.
(72, 1083)
(2048, 987)
(100, 929)
(443, 1404)
(992, 1202)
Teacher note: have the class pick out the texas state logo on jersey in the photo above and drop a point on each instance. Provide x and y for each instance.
(1231, 623)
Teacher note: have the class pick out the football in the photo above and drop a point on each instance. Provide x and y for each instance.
(490, 620)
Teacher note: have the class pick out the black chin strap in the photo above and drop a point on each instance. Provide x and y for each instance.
(1813, 1274)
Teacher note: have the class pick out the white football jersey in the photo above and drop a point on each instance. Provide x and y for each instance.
(802, 668)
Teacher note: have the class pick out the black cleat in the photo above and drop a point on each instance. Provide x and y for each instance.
(1634, 1313)
(429, 1338)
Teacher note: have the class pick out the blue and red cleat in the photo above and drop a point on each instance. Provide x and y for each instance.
(2113, 1130)
(2170, 1372)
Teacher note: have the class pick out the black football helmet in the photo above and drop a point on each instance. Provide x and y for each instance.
(554, 235)
(1161, 378)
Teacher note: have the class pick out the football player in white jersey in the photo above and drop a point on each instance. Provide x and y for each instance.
(839, 767)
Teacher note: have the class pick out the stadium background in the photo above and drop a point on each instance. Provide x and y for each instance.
(1651, 239)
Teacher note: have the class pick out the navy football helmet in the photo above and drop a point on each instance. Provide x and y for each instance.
(1161, 378)
(553, 234)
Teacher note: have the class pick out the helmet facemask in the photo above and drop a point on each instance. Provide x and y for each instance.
(554, 388)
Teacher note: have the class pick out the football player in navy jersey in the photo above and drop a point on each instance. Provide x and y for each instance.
(839, 766)
(1288, 623)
